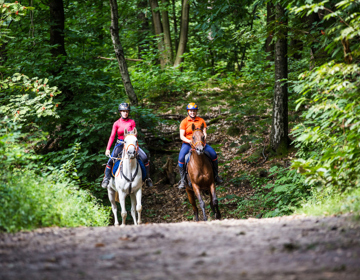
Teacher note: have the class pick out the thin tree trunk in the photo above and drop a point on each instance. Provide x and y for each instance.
(57, 25)
(184, 30)
(175, 26)
(247, 44)
(167, 37)
(119, 53)
(270, 17)
(158, 31)
(279, 140)
(100, 13)
(311, 20)
(144, 29)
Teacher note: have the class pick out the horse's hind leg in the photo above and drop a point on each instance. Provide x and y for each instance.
(122, 196)
(133, 205)
(111, 195)
(191, 197)
(138, 204)
(215, 201)
(201, 201)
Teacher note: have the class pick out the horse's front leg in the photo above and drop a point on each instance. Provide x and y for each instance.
(191, 197)
(138, 204)
(215, 201)
(133, 205)
(111, 195)
(212, 205)
(122, 196)
(201, 201)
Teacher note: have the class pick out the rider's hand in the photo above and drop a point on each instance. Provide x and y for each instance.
(107, 153)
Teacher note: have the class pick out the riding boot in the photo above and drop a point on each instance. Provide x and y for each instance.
(107, 177)
(218, 179)
(148, 181)
(182, 183)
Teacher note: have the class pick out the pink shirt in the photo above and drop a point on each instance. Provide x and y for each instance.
(119, 127)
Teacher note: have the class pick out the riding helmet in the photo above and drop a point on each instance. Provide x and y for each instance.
(192, 106)
(124, 107)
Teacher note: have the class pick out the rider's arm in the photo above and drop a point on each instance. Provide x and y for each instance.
(182, 136)
(204, 131)
(112, 137)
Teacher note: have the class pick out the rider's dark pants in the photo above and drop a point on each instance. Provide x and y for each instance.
(119, 147)
(185, 148)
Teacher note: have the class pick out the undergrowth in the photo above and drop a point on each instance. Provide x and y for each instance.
(34, 201)
(335, 204)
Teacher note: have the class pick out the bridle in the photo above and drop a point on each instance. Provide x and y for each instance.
(193, 146)
(128, 146)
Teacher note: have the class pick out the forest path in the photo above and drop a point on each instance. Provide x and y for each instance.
(293, 247)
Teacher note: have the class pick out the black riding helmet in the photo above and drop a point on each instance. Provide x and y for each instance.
(124, 107)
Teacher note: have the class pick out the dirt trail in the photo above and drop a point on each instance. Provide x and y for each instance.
(291, 247)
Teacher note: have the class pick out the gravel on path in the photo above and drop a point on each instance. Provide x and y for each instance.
(292, 247)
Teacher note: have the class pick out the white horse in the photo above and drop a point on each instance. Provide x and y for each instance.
(128, 180)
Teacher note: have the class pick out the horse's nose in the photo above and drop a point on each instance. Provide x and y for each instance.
(200, 150)
(131, 154)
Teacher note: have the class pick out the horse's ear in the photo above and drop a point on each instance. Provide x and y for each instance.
(202, 127)
(125, 132)
(193, 127)
(134, 131)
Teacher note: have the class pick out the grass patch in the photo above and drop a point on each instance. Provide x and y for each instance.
(332, 205)
(30, 201)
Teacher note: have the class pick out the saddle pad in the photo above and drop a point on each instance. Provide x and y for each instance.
(115, 167)
(117, 164)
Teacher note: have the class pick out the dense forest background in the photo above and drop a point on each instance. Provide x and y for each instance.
(277, 81)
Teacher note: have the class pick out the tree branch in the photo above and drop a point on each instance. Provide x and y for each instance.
(110, 58)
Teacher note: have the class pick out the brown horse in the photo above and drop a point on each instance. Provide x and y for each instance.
(201, 175)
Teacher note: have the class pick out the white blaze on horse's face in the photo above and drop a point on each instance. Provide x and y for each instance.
(130, 145)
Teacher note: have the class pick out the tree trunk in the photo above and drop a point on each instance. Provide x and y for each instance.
(158, 31)
(57, 25)
(184, 30)
(143, 43)
(167, 37)
(270, 17)
(279, 140)
(119, 53)
(311, 20)
(175, 26)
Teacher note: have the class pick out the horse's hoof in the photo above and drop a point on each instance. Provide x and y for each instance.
(116, 225)
(122, 225)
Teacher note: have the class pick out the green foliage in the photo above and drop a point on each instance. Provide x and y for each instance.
(332, 126)
(33, 198)
(9, 12)
(272, 197)
(33, 201)
(336, 204)
(233, 130)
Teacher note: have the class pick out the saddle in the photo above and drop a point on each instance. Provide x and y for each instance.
(187, 159)
(117, 165)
